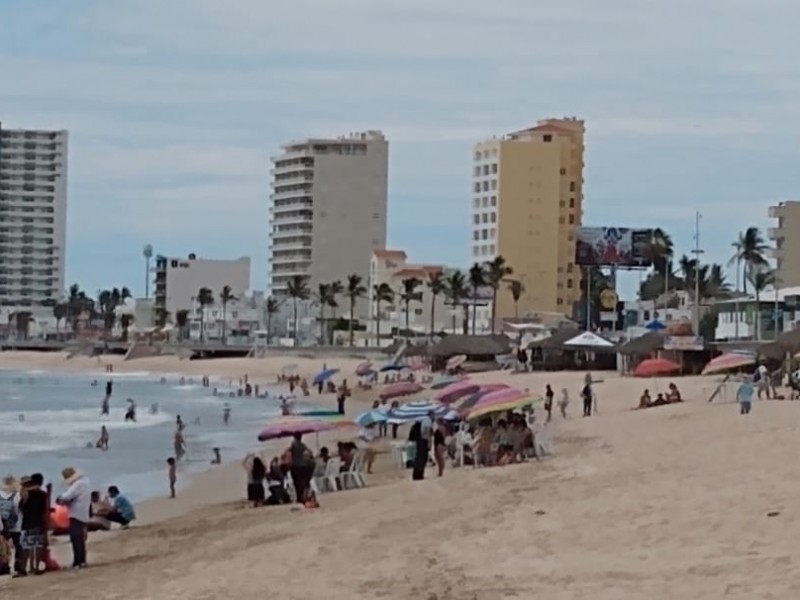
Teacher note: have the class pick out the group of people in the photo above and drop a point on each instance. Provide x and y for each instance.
(26, 519)
(673, 396)
(297, 461)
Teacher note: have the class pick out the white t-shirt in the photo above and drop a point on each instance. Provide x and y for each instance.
(762, 374)
(15, 495)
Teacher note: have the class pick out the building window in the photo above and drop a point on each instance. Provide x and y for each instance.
(485, 186)
(485, 169)
(485, 154)
(477, 187)
(547, 138)
(484, 234)
(492, 233)
(563, 171)
(417, 311)
(484, 218)
(477, 156)
(572, 219)
(476, 203)
(477, 171)
(485, 202)
(491, 248)
(569, 267)
(475, 251)
(493, 218)
(560, 301)
(494, 169)
(494, 184)
(494, 200)
(561, 203)
(475, 235)
(569, 283)
(476, 219)
(561, 220)
(484, 250)
(571, 186)
(572, 202)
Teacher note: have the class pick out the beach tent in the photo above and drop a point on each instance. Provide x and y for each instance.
(589, 341)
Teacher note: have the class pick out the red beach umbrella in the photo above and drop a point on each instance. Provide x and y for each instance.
(656, 367)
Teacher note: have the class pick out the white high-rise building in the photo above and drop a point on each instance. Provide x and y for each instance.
(33, 216)
(328, 208)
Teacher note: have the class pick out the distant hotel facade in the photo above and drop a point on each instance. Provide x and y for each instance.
(527, 206)
(178, 280)
(328, 208)
(786, 235)
(33, 217)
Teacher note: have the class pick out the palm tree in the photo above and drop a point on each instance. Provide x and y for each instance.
(108, 301)
(60, 311)
(456, 292)
(495, 272)
(181, 320)
(437, 286)
(77, 303)
(225, 296)
(517, 288)
(205, 297)
(750, 250)
(336, 289)
(408, 294)
(272, 309)
(477, 279)
(380, 293)
(355, 290)
(125, 322)
(661, 251)
(324, 297)
(717, 286)
(162, 316)
(761, 277)
(297, 288)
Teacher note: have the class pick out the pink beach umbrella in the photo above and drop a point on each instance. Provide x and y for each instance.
(288, 426)
(365, 368)
(404, 388)
(729, 361)
(498, 397)
(463, 388)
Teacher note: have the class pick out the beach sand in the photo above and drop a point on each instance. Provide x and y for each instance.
(670, 502)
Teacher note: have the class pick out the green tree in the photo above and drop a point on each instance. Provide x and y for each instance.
(205, 297)
(108, 301)
(517, 288)
(60, 312)
(661, 251)
(380, 293)
(272, 309)
(225, 296)
(437, 287)
(456, 292)
(337, 289)
(297, 289)
(355, 290)
(181, 321)
(750, 250)
(760, 277)
(77, 304)
(477, 279)
(495, 271)
(324, 297)
(409, 294)
(162, 316)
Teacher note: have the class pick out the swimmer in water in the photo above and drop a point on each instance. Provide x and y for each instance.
(217, 460)
(179, 424)
(226, 414)
(102, 443)
(154, 408)
(163, 380)
(21, 417)
(130, 414)
(179, 445)
(104, 408)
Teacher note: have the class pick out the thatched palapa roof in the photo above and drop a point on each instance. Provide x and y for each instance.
(645, 344)
(786, 343)
(471, 345)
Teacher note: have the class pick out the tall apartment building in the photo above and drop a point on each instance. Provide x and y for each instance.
(786, 236)
(527, 206)
(178, 280)
(328, 212)
(33, 216)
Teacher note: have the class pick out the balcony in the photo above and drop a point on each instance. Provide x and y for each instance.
(775, 212)
(291, 244)
(298, 260)
(775, 233)
(300, 168)
(292, 219)
(292, 205)
(303, 191)
(290, 233)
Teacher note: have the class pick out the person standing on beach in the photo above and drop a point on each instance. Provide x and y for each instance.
(302, 467)
(423, 445)
(35, 510)
(172, 475)
(587, 396)
(226, 414)
(744, 395)
(548, 402)
(341, 396)
(179, 444)
(11, 521)
(105, 408)
(78, 498)
(102, 443)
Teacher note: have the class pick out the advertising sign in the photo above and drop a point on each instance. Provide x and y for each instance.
(683, 343)
(613, 247)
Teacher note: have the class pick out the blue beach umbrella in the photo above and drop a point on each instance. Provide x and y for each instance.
(655, 325)
(370, 417)
(413, 411)
(323, 376)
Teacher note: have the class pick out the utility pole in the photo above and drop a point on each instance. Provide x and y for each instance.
(588, 298)
(697, 252)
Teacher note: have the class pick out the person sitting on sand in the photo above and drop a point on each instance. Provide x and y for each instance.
(98, 510)
(347, 452)
(673, 395)
(502, 439)
(122, 511)
(660, 400)
(645, 401)
(277, 491)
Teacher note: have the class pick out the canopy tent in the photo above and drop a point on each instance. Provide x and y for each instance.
(371, 417)
(589, 341)
(655, 325)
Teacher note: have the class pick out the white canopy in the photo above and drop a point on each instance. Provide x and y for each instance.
(588, 339)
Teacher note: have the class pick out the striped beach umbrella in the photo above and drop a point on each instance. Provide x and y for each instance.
(371, 417)
(412, 411)
(442, 381)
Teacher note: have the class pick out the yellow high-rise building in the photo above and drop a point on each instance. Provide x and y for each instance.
(526, 206)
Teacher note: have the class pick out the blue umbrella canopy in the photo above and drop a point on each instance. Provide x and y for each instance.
(323, 376)
(655, 325)
(371, 417)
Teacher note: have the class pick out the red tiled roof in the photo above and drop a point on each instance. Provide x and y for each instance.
(418, 271)
(389, 253)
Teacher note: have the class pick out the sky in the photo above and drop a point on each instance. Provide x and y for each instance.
(174, 108)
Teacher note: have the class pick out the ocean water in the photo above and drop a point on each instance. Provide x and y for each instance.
(48, 419)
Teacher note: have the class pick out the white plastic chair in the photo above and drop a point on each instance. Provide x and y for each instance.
(544, 444)
(327, 482)
(353, 474)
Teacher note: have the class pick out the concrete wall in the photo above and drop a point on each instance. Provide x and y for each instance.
(185, 280)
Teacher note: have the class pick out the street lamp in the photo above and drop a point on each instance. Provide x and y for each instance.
(147, 252)
(697, 252)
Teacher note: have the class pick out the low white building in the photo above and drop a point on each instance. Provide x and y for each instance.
(744, 319)
(243, 317)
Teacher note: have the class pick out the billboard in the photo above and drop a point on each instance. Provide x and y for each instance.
(613, 247)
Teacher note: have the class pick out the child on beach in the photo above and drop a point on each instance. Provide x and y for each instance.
(173, 476)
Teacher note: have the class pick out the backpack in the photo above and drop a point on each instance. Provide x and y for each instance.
(9, 514)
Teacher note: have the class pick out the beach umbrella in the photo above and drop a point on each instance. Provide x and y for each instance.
(655, 325)
(656, 367)
(456, 361)
(486, 407)
(729, 361)
(465, 403)
(493, 398)
(324, 375)
(456, 390)
(392, 367)
(397, 390)
(412, 411)
(317, 412)
(364, 369)
(371, 417)
(442, 381)
(288, 426)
